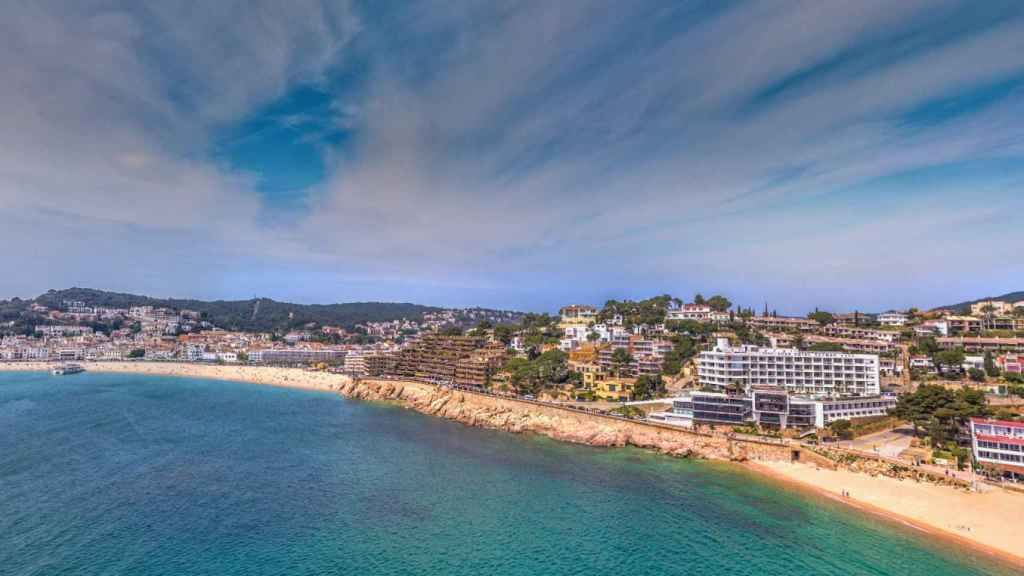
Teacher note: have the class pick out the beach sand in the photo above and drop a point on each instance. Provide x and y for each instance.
(267, 375)
(987, 521)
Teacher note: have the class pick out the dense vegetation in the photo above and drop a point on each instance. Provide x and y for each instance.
(650, 311)
(939, 411)
(256, 315)
(529, 376)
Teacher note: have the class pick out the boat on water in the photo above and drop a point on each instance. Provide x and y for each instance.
(66, 369)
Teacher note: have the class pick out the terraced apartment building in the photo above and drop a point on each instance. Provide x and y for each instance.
(480, 366)
(437, 358)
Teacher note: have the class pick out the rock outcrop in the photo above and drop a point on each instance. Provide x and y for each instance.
(519, 416)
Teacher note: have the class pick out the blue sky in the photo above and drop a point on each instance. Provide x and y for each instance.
(863, 155)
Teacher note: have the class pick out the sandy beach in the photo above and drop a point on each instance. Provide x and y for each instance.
(987, 520)
(266, 375)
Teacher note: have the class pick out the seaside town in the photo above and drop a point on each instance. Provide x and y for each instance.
(954, 377)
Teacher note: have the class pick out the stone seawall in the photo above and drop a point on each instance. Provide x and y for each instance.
(518, 416)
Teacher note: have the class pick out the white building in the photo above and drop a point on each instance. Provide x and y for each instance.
(829, 411)
(193, 352)
(698, 312)
(771, 408)
(355, 363)
(610, 333)
(933, 327)
(859, 333)
(814, 374)
(54, 331)
(977, 362)
(921, 363)
(998, 446)
(893, 319)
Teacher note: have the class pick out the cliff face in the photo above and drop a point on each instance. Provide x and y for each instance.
(559, 424)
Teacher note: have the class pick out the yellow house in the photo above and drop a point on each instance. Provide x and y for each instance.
(589, 370)
(614, 389)
(602, 383)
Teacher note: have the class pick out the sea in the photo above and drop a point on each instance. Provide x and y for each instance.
(141, 475)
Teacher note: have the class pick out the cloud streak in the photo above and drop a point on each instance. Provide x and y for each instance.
(526, 152)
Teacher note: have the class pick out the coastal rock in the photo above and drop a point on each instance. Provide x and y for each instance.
(511, 415)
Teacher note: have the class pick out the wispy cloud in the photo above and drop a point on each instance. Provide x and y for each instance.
(531, 151)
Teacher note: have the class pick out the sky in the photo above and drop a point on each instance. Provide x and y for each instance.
(841, 155)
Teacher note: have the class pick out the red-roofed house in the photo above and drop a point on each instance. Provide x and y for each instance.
(998, 447)
(1011, 363)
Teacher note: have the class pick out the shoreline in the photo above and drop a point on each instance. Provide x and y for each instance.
(262, 375)
(905, 502)
(931, 520)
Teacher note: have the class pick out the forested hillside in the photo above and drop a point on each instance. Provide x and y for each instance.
(258, 314)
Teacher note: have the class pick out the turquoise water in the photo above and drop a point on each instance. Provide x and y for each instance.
(124, 474)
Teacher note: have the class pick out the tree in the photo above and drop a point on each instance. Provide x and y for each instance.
(698, 299)
(451, 330)
(137, 353)
(927, 346)
(243, 357)
(1018, 311)
(552, 367)
(593, 336)
(719, 303)
(650, 311)
(484, 325)
(647, 386)
(842, 428)
(690, 327)
(940, 411)
(976, 374)
(821, 317)
(949, 359)
(672, 365)
(503, 333)
(521, 376)
(621, 358)
(530, 376)
(990, 366)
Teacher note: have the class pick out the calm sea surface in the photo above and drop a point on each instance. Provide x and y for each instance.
(123, 474)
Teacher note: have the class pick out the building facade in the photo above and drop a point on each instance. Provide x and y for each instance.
(775, 323)
(815, 374)
(998, 447)
(892, 319)
(770, 408)
(435, 357)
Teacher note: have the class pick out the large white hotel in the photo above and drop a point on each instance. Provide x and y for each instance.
(813, 374)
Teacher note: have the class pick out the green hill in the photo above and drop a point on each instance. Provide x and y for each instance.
(966, 306)
(256, 315)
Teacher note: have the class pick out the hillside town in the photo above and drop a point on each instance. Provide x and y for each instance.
(955, 375)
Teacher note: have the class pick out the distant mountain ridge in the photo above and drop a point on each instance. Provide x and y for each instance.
(255, 315)
(966, 306)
